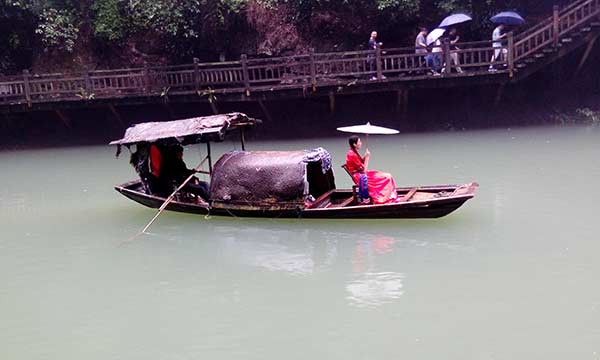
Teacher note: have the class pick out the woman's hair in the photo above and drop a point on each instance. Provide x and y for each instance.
(352, 140)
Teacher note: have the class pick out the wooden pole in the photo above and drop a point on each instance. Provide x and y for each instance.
(313, 71)
(246, 74)
(331, 102)
(242, 139)
(113, 110)
(555, 25)
(511, 54)
(88, 84)
(399, 99)
(587, 52)
(447, 56)
(209, 156)
(147, 82)
(378, 63)
(213, 106)
(499, 94)
(171, 197)
(265, 110)
(196, 74)
(26, 87)
(65, 120)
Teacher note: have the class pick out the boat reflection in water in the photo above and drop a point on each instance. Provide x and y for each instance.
(345, 259)
(370, 287)
(314, 253)
(374, 289)
(275, 250)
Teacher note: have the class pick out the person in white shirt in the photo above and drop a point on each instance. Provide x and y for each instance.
(499, 53)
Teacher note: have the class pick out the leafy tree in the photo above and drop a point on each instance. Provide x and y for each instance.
(16, 33)
(57, 30)
(109, 22)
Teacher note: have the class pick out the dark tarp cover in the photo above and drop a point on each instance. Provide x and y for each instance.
(259, 178)
(186, 131)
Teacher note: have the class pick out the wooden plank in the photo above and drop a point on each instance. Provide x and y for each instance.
(587, 52)
(344, 203)
(409, 195)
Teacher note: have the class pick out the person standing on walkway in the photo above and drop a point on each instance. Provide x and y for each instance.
(453, 37)
(373, 46)
(437, 57)
(421, 46)
(499, 53)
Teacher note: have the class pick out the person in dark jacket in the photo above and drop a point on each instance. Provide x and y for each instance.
(175, 172)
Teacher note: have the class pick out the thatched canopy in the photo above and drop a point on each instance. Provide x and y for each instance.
(186, 131)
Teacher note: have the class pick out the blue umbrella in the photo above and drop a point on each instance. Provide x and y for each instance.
(454, 20)
(508, 18)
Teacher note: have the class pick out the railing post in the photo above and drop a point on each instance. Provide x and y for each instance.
(196, 75)
(147, 85)
(26, 87)
(447, 56)
(87, 82)
(378, 63)
(511, 54)
(245, 74)
(555, 25)
(313, 70)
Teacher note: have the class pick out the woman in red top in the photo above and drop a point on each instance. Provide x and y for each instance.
(381, 186)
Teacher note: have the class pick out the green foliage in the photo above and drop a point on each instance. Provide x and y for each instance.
(57, 30)
(450, 6)
(109, 21)
(16, 32)
(234, 6)
(172, 18)
(177, 30)
(406, 7)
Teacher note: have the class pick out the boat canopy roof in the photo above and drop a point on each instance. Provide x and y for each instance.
(280, 179)
(186, 131)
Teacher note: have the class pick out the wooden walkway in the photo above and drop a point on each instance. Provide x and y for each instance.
(313, 74)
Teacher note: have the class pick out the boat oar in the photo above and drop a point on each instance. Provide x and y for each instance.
(171, 197)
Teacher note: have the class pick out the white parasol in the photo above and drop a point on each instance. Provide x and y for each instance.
(434, 35)
(368, 129)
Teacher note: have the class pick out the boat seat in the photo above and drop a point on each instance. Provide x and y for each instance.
(409, 195)
(354, 187)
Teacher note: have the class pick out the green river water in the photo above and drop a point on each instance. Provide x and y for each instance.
(510, 275)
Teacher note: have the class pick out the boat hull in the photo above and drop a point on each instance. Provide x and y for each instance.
(133, 190)
(434, 207)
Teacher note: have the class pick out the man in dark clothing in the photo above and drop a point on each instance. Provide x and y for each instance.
(175, 172)
(373, 45)
(453, 38)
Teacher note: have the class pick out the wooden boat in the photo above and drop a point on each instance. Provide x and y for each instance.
(280, 184)
(421, 202)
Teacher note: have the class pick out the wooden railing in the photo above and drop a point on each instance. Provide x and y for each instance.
(306, 71)
(551, 30)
